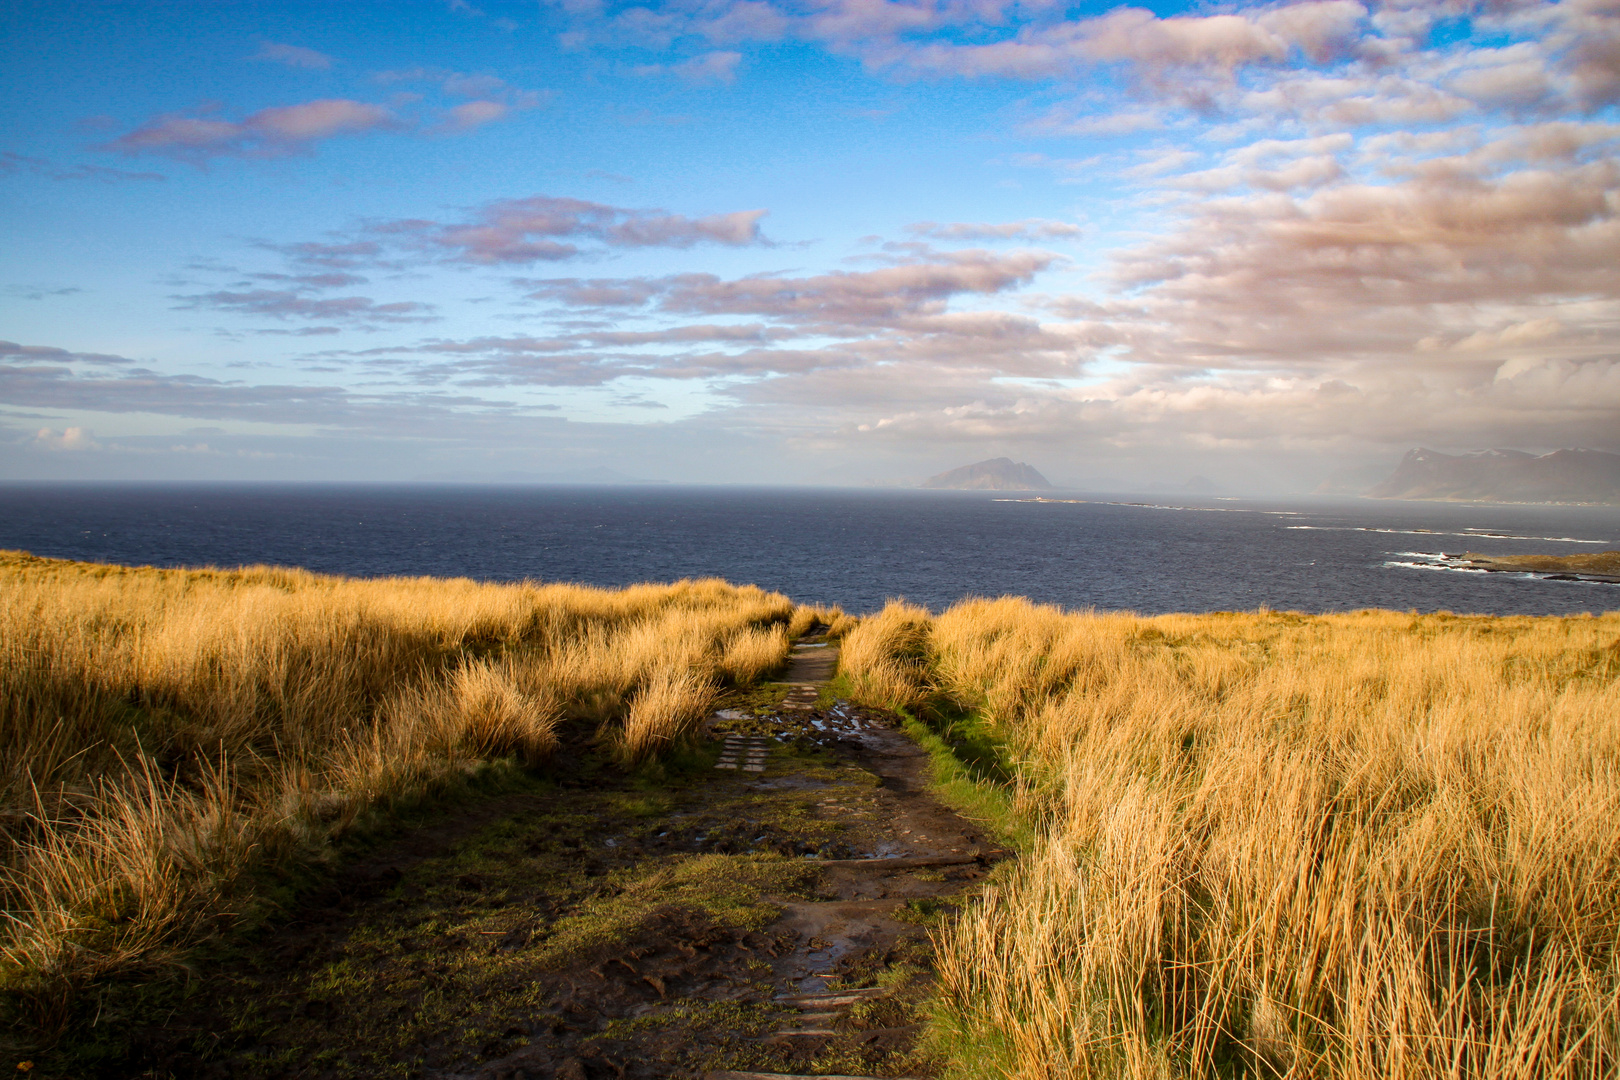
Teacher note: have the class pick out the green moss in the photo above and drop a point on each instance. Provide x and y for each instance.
(729, 890)
(925, 911)
(765, 697)
(738, 1019)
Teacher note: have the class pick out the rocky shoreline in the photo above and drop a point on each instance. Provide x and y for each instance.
(1602, 566)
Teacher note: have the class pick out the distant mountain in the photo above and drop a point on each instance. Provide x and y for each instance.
(997, 474)
(1563, 476)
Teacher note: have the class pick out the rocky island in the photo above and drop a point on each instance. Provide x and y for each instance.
(997, 474)
(1600, 566)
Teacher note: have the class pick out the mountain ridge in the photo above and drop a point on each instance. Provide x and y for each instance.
(1504, 475)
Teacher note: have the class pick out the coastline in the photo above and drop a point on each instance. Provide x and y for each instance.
(1602, 566)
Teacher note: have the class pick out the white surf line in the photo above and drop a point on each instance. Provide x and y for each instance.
(1471, 534)
(1162, 506)
(1422, 560)
(1150, 506)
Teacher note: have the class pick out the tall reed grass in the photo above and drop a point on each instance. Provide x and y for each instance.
(166, 734)
(1361, 845)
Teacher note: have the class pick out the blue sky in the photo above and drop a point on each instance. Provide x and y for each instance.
(851, 241)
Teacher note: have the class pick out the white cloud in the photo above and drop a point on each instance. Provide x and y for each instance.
(295, 56)
(73, 438)
(711, 67)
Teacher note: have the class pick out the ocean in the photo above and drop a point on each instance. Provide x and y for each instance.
(856, 548)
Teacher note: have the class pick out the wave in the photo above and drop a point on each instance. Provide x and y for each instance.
(1470, 534)
(1139, 506)
(1197, 509)
(1416, 565)
(1428, 560)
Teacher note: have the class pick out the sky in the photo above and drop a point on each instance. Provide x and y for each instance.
(804, 241)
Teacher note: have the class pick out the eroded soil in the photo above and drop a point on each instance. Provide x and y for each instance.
(600, 926)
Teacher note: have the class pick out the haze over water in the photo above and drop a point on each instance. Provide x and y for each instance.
(855, 548)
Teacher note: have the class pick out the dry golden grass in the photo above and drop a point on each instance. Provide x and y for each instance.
(165, 732)
(1360, 845)
(885, 655)
(670, 706)
(752, 653)
(807, 618)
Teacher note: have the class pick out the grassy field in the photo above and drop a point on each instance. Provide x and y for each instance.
(1360, 845)
(172, 739)
(1266, 844)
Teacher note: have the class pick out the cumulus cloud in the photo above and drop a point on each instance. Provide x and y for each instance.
(920, 288)
(711, 67)
(1467, 298)
(294, 56)
(1069, 120)
(73, 438)
(1556, 404)
(40, 292)
(1325, 281)
(1366, 249)
(284, 130)
(1268, 164)
(295, 304)
(342, 255)
(506, 233)
(1027, 229)
(896, 35)
(471, 115)
(543, 228)
(845, 321)
(489, 88)
(273, 132)
(13, 353)
(890, 33)
(13, 163)
(59, 386)
(1321, 61)
(1353, 231)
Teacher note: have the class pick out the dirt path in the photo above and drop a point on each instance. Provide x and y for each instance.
(764, 910)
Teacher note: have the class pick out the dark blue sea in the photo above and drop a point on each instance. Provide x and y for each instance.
(850, 547)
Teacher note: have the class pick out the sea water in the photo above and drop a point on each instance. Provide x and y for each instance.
(850, 547)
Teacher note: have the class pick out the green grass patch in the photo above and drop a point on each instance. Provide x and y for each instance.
(971, 773)
(926, 911)
(731, 890)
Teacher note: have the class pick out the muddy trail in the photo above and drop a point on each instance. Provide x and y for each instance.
(764, 907)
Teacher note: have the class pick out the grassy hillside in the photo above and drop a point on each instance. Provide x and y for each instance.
(166, 736)
(1358, 845)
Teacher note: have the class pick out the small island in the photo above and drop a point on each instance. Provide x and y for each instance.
(1598, 566)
